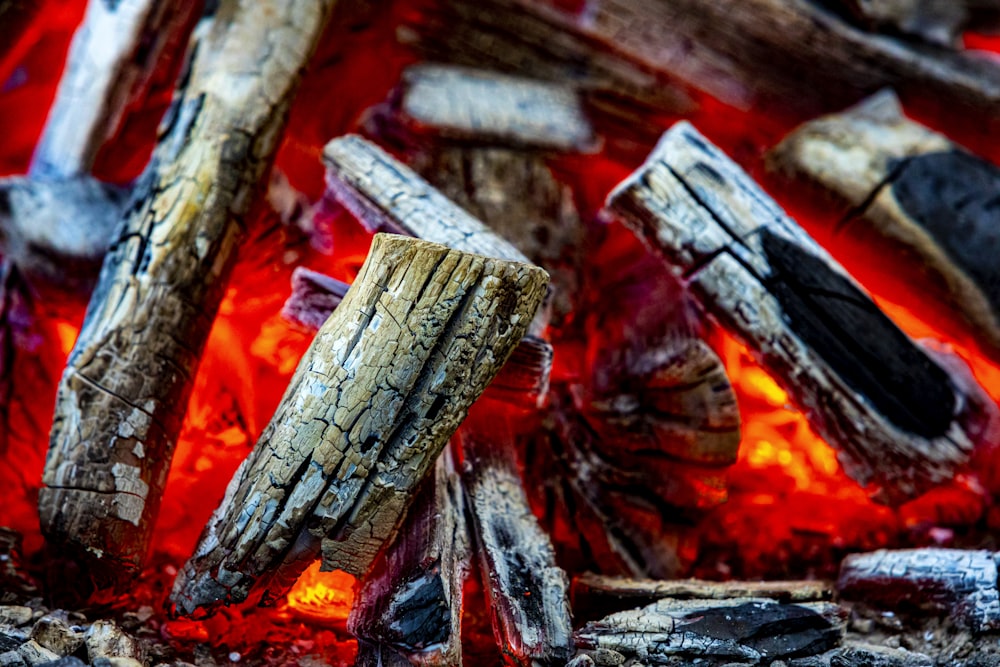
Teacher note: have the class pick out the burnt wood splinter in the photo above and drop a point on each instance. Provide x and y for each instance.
(900, 419)
(124, 392)
(385, 383)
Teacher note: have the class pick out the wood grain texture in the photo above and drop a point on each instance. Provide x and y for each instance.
(900, 419)
(909, 193)
(385, 383)
(125, 388)
(956, 582)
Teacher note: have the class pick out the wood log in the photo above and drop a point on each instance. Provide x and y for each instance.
(906, 191)
(745, 630)
(596, 595)
(899, 419)
(383, 386)
(935, 21)
(525, 589)
(110, 65)
(956, 582)
(481, 107)
(795, 57)
(313, 299)
(412, 601)
(125, 388)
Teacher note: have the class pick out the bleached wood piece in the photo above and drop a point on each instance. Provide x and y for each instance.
(913, 194)
(483, 107)
(899, 419)
(745, 630)
(385, 383)
(127, 381)
(526, 590)
(412, 601)
(110, 65)
(959, 583)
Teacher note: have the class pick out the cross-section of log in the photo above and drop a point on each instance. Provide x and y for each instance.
(466, 104)
(385, 383)
(126, 385)
(961, 584)
(899, 419)
(528, 594)
(412, 601)
(902, 190)
(744, 630)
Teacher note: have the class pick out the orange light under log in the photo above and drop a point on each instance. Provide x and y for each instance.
(322, 597)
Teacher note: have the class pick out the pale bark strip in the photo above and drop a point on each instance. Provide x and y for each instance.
(383, 386)
(125, 389)
(900, 419)
(483, 107)
(956, 582)
(913, 194)
(526, 590)
(110, 65)
(412, 601)
(744, 630)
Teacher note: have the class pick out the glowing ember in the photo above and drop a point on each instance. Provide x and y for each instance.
(322, 597)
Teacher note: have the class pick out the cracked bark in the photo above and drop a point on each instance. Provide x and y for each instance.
(903, 190)
(125, 388)
(412, 601)
(526, 590)
(900, 419)
(385, 383)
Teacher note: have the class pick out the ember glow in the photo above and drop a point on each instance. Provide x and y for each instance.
(791, 510)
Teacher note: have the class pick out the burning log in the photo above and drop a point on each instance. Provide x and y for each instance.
(527, 592)
(386, 381)
(909, 192)
(745, 630)
(899, 419)
(412, 602)
(314, 297)
(125, 389)
(961, 584)
(936, 21)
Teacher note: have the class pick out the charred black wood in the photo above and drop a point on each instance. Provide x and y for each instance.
(899, 418)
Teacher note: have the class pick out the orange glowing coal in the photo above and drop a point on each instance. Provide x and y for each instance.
(324, 597)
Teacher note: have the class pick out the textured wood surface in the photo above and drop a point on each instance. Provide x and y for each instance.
(936, 21)
(741, 630)
(110, 65)
(385, 383)
(899, 419)
(412, 601)
(908, 193)
(314, 297)
(125, 388)
(959, 583)
(527, 592)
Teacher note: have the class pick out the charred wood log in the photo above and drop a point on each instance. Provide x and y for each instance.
(526, 591)
(899, 418)
(936, 21)
(383, 386)
(127, 381)
(313, 299)
(412, 601)
(908, 192)
(745, 630)
(961, 584)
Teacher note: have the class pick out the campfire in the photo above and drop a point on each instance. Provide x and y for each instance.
(617, 332)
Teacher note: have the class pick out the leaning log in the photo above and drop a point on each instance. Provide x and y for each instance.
(383, 386)
(899, 189)
(527, 592)
(412, 601)
(744, 630)
(126, 385)
(961, 584)
(899, 419)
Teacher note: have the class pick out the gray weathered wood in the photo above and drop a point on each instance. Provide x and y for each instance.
(125, 388)
(412, 601)
(907, 192)
(936, 21)
(526, 590)
(956, 582)
(899, 419)
(744, 630)
(384, 384)
(483, 107)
